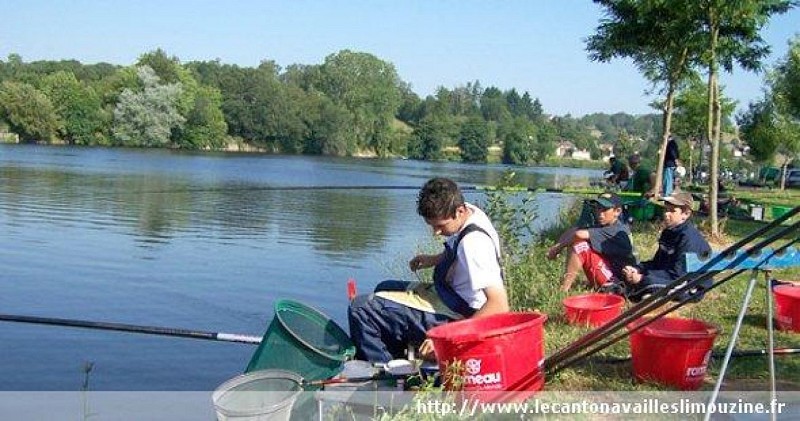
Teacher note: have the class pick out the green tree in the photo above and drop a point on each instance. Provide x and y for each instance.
(460, 100)
(691, 116)
(771, 126)
(147, 117)
(29, 112)
(10, 69)
(168, 69)
(691, 110)
(200, 106)
(786, 80)
(429, 139)
(569, 128)
(474, 140)
(546, 139)
(493, 105)
(662, 40)
(410, 111)
(370, 89)
(732, 32)
(519, 140)
(770, 134)
(257, 106)
(625, 145)
(78, 106)
(205, 124)
(329, 126)
(785, 86)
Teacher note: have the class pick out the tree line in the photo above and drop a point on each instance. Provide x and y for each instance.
(673, 42)
(353, 103)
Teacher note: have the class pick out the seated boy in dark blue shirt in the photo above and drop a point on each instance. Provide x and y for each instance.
(680, 236)
(601, 250)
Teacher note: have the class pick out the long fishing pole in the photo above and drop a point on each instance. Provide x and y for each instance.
(656, 299)
(122, 327)
(468, 188)
(575, 358)
(584, 352)
(599, 345)
(716, 354)
(641, 324)
(579, 355)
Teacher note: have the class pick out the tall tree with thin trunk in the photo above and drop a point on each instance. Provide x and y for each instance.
(732, 30)
(661, 39)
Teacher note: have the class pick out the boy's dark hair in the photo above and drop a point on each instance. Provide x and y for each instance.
(439, 198)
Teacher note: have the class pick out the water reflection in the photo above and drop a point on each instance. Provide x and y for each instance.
(223, 203)
(196, 241)
(155, 209)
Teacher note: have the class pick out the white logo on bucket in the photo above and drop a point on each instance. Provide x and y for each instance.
(474, 376)
(787, 320)
(701, 370)
(473, 366)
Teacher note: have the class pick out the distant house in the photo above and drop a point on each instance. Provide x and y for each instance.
(567, 149)
(582, 154)
(564, 149)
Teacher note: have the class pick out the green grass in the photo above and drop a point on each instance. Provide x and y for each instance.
(768, 196)
(533, 285)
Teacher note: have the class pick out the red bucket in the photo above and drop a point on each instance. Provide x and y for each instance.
(494, 358)
(593, 309)
(787, 307)
(672, 351)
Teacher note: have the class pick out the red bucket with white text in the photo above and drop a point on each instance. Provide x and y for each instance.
(787, 307)
(494, 358)
(593, 309)
(672, 351)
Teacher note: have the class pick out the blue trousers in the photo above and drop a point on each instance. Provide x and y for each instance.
(669, 178)
(382, 329)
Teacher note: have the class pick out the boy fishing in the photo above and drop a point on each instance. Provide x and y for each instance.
(467, 281)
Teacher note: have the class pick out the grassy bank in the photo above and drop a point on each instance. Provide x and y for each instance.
(533, 285)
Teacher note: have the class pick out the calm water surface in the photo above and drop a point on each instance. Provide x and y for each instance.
(195, 241)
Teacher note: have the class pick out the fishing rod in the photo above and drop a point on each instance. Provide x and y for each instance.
(150, 330)
(470, 188)
(645, 322)
(577, 356)
(657, 298)
(716, 354)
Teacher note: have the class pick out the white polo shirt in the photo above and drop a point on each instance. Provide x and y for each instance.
(477, 265)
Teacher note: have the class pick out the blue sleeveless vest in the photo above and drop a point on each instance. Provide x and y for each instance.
(446, 292)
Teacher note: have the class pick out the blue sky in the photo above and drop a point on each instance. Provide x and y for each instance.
(531, 45)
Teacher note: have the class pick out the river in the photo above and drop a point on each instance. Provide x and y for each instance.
(197, 241)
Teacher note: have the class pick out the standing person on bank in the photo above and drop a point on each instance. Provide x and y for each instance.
(467, 281)
(680, 236)
(601, 251)
(671, 162)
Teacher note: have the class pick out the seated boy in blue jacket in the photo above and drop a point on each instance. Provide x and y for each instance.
(680, 236)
